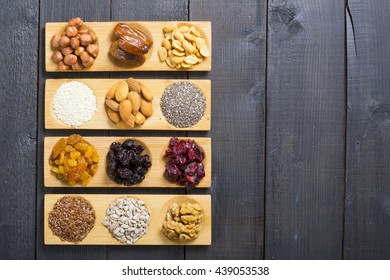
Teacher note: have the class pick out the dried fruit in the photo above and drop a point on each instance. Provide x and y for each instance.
(76, 158)
(126, 163)
(184, 162)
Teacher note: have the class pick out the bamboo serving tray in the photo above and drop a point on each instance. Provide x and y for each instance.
(104, 32)
(154, 146)
(157, 205)
(100, 119)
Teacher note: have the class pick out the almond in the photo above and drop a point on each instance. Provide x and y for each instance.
(121, 92)
(135, 100)
(131, 121)
(139, 118)
(111, 92)
(147, 94)
(125, 110)
(113, 115)
(133, 85)
(113, 105)
(146, 108)
(121, 125)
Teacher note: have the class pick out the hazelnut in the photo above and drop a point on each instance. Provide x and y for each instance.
(55, 41)
(85, 39)
(57, 56)
(94, 37)
(89, 63)
(84, 56)
(93, 50)
(83, 30)
(74, 43)
(67, 50)
(79, 50)
(77, 21)
(70, 59)
(64, 41)
(62, 66)
(78, 65)
(71, 31)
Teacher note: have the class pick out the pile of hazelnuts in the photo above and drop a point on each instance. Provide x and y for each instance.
(75, 48)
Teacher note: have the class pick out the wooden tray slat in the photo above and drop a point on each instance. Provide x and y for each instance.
(157, 205)
(100, 119)
(104, 61)
(154, 177)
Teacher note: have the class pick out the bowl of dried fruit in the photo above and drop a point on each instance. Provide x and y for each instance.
(132, 44)
(75, 47)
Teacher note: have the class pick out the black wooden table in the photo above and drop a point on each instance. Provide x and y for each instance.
(300, 127)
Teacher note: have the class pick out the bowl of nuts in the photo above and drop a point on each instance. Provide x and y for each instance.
(184, 46)
(75, 47)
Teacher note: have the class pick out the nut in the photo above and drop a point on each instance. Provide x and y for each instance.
(166, 44)
(191, 60)
(193, 30)
(162, 53)
(125, 110)
(64, 41)
(190, 37)
(83, 30)
(113, 115)
(113, 105)
(147, 94)
(74, 43)
(170, 28)
(178, 35)
(131, 120)
(139, 118)
(89, 63)
(85, 39)
(182, 222)
(184, 29)
(135, 100)
(93, 50)
(177, 45)
(78, 65)
(67, 50)
(70, 59)
(55, 41)
(133, 85)
(122, 91)
(204, 51)
(57, 56)
(84, 56)
(79, 50)
(94, 37)
(71, 31)
(146, 108)
(75, 22)
(178, 53)
(188, 47)
(111, 92)
(62, 66)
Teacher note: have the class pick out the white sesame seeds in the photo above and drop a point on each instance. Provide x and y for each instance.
(74, 103)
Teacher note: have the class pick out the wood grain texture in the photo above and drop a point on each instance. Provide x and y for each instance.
(157, 206)
(100, 120)
(104, 31)
(154, 146)
(18, 81)
(305, 130)
(238, 84)
(367, 222)
(50, 11)
(152, 10)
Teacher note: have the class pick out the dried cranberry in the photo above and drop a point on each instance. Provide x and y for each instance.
(184, 162)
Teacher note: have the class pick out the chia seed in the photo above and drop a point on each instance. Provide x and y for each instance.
(183, 104)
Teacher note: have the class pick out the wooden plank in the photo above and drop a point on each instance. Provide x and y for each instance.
(18, 128)
(238, 85)
(157, 206)
(162, 10)
(154, 147)
(305, 130)
(63, 10)
(104, 32)
(367, 221)
(100, 120)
